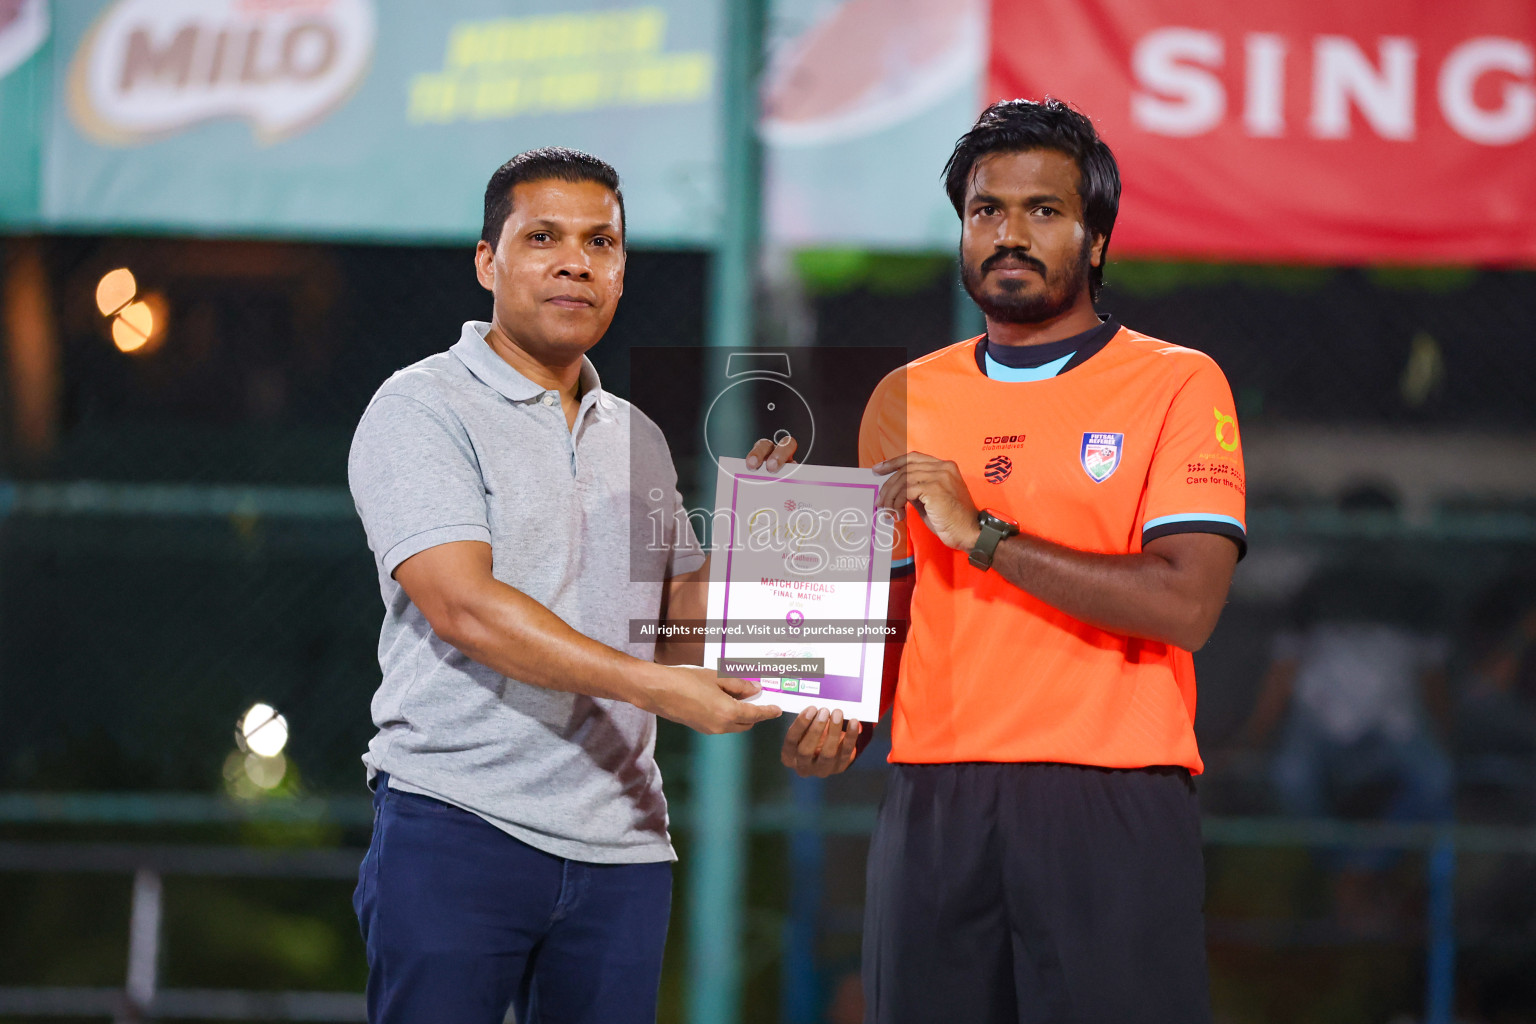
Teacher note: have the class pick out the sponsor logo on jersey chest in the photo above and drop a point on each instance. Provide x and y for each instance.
(997, 469)
(995, 442)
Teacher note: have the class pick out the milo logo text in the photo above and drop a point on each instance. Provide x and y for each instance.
(148, 68)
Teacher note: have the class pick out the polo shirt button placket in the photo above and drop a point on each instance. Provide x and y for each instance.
(550, 398)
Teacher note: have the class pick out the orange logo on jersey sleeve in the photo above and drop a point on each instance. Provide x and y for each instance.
(1222, 422)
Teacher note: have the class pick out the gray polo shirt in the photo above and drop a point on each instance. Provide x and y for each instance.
(460, 446)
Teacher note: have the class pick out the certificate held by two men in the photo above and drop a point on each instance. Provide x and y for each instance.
(799, 584)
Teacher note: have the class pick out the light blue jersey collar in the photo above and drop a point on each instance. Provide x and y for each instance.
(1024, 374)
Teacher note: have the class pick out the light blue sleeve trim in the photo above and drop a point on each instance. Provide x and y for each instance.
(902, 563)
(1194, 517)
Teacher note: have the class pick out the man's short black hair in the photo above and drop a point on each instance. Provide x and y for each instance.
(1013, 126)
(542, 164)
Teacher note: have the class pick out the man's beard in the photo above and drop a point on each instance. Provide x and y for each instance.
(1014, 306)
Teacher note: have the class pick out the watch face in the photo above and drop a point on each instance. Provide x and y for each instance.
(991, 518)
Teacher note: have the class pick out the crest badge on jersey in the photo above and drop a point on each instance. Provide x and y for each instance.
(1101, 454)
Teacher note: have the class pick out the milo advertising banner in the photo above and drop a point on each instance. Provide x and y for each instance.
(384, 118)
(370, 118)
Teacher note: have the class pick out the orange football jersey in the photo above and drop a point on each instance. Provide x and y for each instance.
(1138, 441)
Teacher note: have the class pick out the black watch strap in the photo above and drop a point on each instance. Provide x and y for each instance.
(994, 530)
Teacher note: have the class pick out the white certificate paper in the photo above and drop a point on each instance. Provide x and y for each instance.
(801, 569)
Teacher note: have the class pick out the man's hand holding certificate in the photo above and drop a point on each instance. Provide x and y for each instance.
(800, 581)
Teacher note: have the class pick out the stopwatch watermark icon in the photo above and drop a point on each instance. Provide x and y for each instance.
(758, 387)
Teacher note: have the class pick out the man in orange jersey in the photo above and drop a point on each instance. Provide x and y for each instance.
(1076, 494)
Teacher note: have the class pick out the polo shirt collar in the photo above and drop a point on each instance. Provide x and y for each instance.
(495, 372)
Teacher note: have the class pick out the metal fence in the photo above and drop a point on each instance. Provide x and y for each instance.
(807, 821)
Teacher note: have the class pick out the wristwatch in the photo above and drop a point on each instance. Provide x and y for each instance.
(994, 528)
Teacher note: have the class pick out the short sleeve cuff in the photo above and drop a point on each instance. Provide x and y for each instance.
(686, 555)
(684, 561)
(416, 544)
(1197, 522)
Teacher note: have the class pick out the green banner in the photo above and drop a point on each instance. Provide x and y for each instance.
(357, 118)
(24, 68)
(382, 119)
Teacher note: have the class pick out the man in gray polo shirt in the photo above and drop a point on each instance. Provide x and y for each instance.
(520, 852)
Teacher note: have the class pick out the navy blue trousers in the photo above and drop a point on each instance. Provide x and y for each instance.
(1036, 894)
(462, 921)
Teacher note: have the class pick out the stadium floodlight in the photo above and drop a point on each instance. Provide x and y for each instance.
(262, 731)
(115, 290)
(137, 322)
(265, 772)
(133, 327)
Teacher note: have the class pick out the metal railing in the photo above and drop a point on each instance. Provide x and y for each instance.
(141, 997)
(102, 498)
(805, 819)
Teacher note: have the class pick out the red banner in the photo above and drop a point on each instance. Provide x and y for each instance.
(1338, 131)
